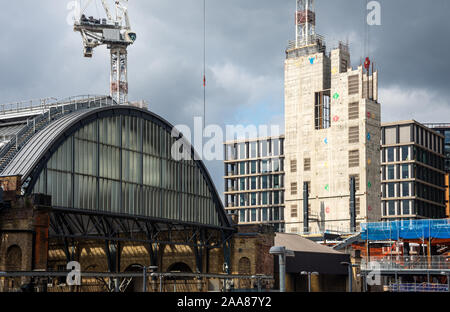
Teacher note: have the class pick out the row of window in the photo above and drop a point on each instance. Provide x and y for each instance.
(246, 150)
(255, 167)
(255, 199)
(405, 153)
(255, 183)
(398, 207)
(412, 207)
(406, 189)
(261, 214)
(412, 133)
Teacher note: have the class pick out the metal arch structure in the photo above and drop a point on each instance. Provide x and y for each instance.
(71, 224)
(114, 32)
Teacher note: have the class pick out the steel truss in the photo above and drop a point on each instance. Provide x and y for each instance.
(73, 225)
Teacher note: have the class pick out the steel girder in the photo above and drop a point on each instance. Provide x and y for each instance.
(82, 225)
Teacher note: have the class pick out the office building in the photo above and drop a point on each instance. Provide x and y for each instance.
(412, 171)
(254, 180)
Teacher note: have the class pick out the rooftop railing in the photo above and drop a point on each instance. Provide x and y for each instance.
(411, 262)
(305, 41)
(45, 103)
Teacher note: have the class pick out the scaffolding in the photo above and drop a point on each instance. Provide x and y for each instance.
(406, 230)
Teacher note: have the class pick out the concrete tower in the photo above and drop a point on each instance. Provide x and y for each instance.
(332, 121)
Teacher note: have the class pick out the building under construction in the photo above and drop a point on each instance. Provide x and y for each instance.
(332, 124)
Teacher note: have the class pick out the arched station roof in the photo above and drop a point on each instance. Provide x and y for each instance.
(32, 159)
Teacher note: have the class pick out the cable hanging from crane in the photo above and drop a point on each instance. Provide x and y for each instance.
(204, 63)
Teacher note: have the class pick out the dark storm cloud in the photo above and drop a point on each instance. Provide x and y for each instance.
(41, 56)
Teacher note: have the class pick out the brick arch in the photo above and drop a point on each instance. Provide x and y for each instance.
(13, 262)
(179, 266)
(244, 268)
(13, 258)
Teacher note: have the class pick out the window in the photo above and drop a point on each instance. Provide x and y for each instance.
(390, 135)
(264, 197)
(353, 158)
(391, 208)
(391, 172)
(253, 183)
(390, 154)
(253, 199)
(405, 153)
(294, 213)
(276, 197)
(231, 152)
(253, 214)
(265, 148)
(242, 168)
(294, 188)
(405, 189)
(293, 165)
(253, 149)
(276, 181)
(264, 214)
(242, 215)
(353, 84)
(276, 165)
(353, 135)
(242, 200)
(276, 214)
(241, 147)
(242, 184)
(253, 166)
(406, 207)
(353, 110)
(322, 110)
(405, 171)
(405, 134)
(264, 182)
(265, 166)
(276, 147)
(391, 189)
(307, 164)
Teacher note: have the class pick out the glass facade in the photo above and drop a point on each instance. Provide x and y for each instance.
(123, 165)
(412, 172)
(254, 183)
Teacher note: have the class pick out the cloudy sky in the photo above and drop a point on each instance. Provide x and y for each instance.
(41, 56)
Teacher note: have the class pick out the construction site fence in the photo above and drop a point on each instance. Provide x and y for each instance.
(406, 229)
(395, 262)
(416, 287)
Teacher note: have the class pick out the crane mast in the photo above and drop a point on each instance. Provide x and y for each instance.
(117, 36)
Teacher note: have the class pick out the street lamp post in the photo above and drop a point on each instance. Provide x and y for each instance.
(282, 253)
(350, 274)
(309, 278)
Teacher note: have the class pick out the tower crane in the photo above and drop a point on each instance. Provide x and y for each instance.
(115, 32)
